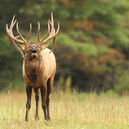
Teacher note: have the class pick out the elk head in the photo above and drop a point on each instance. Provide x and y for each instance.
(32, 48)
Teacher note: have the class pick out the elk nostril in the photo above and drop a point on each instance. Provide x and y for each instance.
(34, 51)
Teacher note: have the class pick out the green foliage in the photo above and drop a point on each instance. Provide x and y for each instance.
(68, 84)
(64, 84)
(88, 48)
(60, 83)
(9, 62)
(4, 44)
(122, 86)
(16, 84)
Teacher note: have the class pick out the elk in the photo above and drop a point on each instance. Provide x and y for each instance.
(39, 64)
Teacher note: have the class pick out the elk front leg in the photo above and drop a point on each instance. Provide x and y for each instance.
(43, 99)
(28, 104)
(36, 90)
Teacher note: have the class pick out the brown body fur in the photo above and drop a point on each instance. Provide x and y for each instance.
(37, 71)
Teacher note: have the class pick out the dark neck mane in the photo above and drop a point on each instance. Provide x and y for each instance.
(32, 68)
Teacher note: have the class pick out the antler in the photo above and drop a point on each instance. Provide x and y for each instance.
(28, 38)
(51, 31)
(10, 33)
(14, 38)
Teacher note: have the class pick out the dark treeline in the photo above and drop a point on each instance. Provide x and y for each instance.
(92, 47)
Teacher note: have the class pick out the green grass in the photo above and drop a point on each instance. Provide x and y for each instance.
(68, 111)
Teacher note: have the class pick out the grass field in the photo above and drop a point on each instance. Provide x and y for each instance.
(68, 111)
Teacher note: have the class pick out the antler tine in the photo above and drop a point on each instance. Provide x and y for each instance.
(20, 33)
(53, 46)
(44, 37)
(48, 27)
(17, 36)
(28, 38)
(7, 29)
(12, 25)
(12, 20)
(18, 48)
(58, 28)
(51, 31)
(52, 35)
(15, 45)
(10, 33)
(38, 32)
(52, 19)
(52, 26)
(48, 32)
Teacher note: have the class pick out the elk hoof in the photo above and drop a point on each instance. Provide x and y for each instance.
(26, 119)
(36, 117)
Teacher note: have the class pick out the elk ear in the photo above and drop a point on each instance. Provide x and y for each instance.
(45, 46)
(23, 47)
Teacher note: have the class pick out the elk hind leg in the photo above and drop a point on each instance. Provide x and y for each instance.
(43, 99)
(49, 88)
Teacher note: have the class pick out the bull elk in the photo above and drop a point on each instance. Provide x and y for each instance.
(39, 64)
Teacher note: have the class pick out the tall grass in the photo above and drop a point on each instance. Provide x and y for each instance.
(68, 111)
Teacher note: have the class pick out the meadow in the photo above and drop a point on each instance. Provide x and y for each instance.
(68, 111)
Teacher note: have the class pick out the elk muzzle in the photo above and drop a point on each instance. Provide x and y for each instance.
(34, 49)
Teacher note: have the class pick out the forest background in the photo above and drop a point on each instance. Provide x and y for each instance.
(92, 48)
